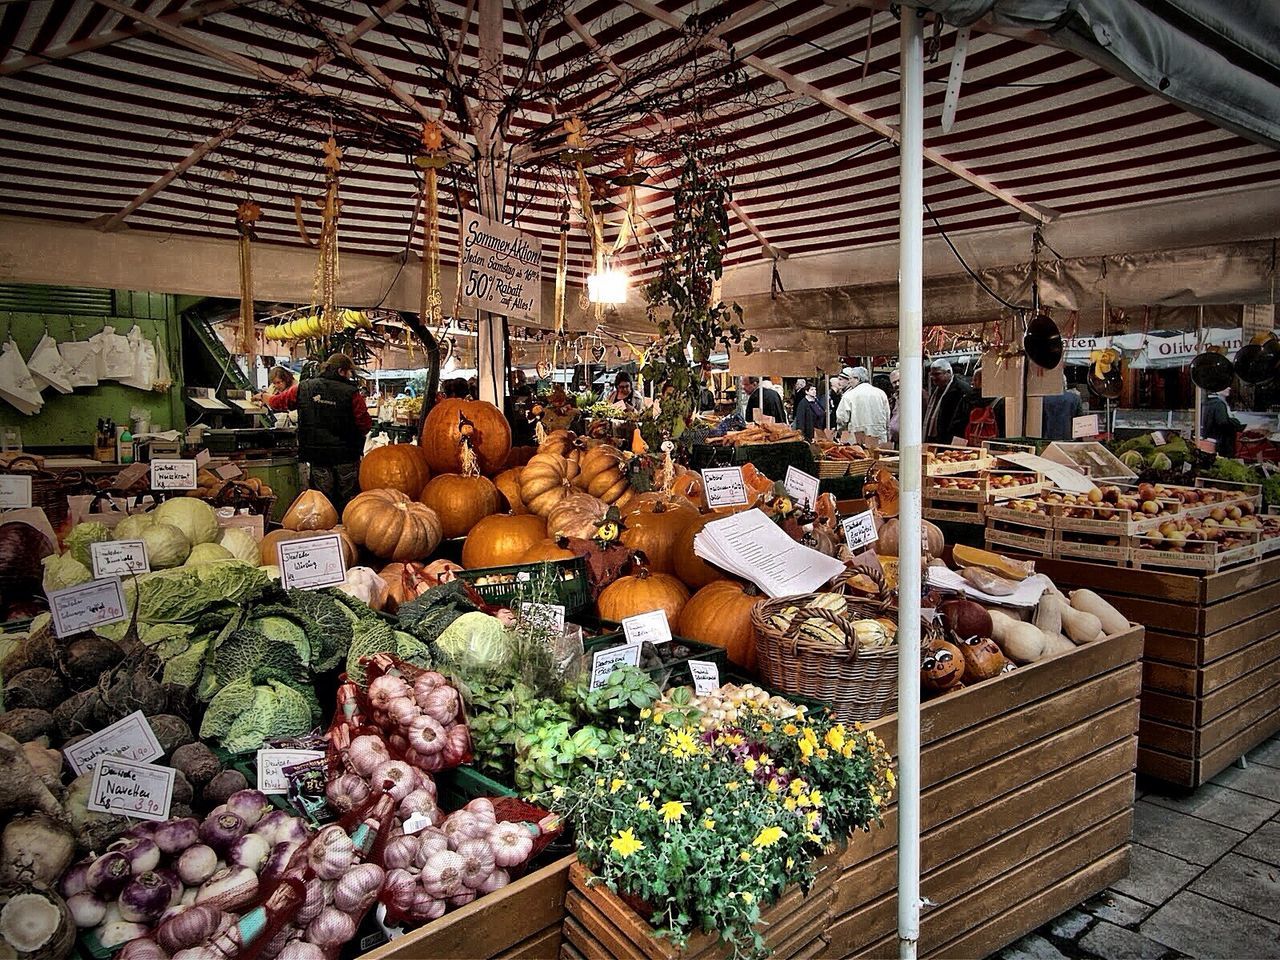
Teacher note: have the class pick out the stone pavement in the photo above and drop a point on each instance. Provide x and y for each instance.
(1204, 880)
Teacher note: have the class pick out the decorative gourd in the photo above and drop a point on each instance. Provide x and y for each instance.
(602, 472)
(577, 515)
(941, 667)
(441, 436)
(267, 546)
(982, 658)
(547, 550)
(310, 511)
(391, 526)
(405, 582)
(641, 592)
(965, 618)
(694, 572)
(653, 529)
(720, 614)
(460, 501)
(508, 484)
(887, 545)
(757, 484)
(546, 480)
(563, 443)
(396, 466)
(648, 500)
(688, 484)
(501, 539)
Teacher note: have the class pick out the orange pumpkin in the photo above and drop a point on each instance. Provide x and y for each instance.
(653, 528)
(720, 614)
(757, 484)
(691, 569)
(501, 539)
(641, 592)
(310, 511)
(442, 437)
(577, 515)
(546, 480)
(546, 550)
(391, 526)
(267, 546)
(397, 466)
(689, 486)
(564, 443)
(460, 501)
(602, 472)
(405, 582)
(508, 484)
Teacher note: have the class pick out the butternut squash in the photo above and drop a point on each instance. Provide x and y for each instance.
(964, 556)
(1055, 644)
(1112, 620)
(1021, 642)
(1081, 627)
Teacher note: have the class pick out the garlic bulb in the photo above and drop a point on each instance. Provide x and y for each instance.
(331, 853)
(358, 888)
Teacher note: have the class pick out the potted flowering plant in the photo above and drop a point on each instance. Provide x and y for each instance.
(703, 825)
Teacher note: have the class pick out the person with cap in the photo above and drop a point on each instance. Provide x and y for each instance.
(947, 410)
(762, 398)
(796, 396)
(864, 409)
(1217, 423)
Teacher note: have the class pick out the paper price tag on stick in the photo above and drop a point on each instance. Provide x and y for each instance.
(116, 558)
(173, 475)
(312, 563)
(724, 487)
(15, 492)
(132, 789)
(130, 738)
(604, 662)
(89, 605)
(652, 626)
(859, 531)
(802, 486)
(706, 676)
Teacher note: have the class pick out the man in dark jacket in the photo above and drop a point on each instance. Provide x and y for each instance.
(950, 399)
(762, 399)
(332, 423)
(1217, 423)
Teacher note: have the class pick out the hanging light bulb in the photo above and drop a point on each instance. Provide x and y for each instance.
(609, 286)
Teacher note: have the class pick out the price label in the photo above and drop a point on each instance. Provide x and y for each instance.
(859, 531)
(229, 471)
(202, 457)
(130, 739)
(1157, 438)
(15, 492)
(1086, 426)
(551, 615)
(131, 789)
(604, 662)
(706, 676)
(802, 487)
(272, 763)
(116, 558)
(724, 487)
(173, 474)
(88, 605)
(311, 563)
(651, 626)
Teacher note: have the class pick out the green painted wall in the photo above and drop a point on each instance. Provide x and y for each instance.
(69, 420)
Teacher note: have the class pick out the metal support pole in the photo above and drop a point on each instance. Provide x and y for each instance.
(910, 423)
(1199, 402)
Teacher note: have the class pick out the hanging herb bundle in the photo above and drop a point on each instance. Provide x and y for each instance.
(684, 297)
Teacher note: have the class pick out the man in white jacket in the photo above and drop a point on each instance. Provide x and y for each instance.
(864, 409)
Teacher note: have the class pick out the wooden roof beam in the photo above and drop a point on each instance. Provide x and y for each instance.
(594, 45)
(770, 251)
(818, 95)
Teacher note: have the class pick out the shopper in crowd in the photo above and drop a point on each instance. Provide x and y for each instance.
(623, 393)
(706, 398)
(1056, 414)
(332, 423)
(949, 401)
(762, 398)
(809, 412)
(797, 395)
(864, 409)
(986, 418)
(1217, 423)
(280, 378)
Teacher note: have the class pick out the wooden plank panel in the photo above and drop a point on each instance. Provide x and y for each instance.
(574, 935)
(1228, 669)
(1173, 648)
(538, 947)
(1235, 638)
(607, 931)
(1215, 761)
(1245, 715)
(1179, 711)
(1246, 605)
(1169, 678)
(1220, 586)
(1139, 583)
(1041, 797)
(487, 926)
(1222, 701)
(1166, 766)
(1162, 736)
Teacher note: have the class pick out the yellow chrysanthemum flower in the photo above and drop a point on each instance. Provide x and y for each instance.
(615, 785)
(768, 837)
(835, 738)
(766, 727)
(815, 797)
(643, 804)
(749, 765)
(806, 749)
(789, 804)
(745, 856)
(790, 729)
(625, 844)
(709, 823)
(890, 778)
(774, 786)
(732, 785)
(672, 810)
(749, 897)
(798, 787)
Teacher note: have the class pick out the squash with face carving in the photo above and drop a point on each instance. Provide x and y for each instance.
(982, 658)
(941, 667)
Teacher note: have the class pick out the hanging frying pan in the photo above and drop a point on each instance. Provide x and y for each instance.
(1042, 342)
(1259, 359)
(1106, 373)
(1212, 371)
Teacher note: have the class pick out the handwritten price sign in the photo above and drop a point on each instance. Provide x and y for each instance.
(88, 605)
(15, 492)
(173, 474)
(128, 739)
(724, 487)
(131, 789)
(604, 662)
(312, 563)
(859, 531)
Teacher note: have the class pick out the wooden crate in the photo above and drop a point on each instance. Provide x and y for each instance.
(953, 511)
(1001, 509)
(1026, 806)
(1092, 546)
(1004, 534)
(933, 467)
(1211, 667)
(600, 925)
(522, 921)
(1212, 558)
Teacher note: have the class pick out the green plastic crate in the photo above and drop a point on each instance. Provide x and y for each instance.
(456, 787)
(677, 672)
(573, 589)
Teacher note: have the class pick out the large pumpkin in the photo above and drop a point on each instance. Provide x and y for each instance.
(694, 572)
(641, 592)
(602, 472)
(442, 436)
(720, 614)
(310, 511)
(577, 515)
(887, 544)
(397, 466)
(689, 485)
(508, 484)
(653, 528)
(460, 501)
(391, 526)
(501, 539)
(546, 480)
(565, 443)
(548, 550)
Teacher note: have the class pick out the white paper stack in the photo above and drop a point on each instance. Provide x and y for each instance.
(753, 547)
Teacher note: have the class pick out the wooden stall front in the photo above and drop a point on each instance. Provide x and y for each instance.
(1210, 686)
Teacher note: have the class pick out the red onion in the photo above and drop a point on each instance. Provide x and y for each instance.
(174, 836)
(249, 805)
(222, 831)
(144, 898)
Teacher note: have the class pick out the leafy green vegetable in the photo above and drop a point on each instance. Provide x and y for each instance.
(82, 535)
(369, 637)
(331, 625)
(476, 642)
(184, 669)
(62, 571)
(167, 546)
(243, 716)
(231, 701)
(192, 516)
(1233, 471)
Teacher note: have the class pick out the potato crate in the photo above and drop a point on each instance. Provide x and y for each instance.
(1106, 547)
(1110, 520)
(1202, 555)
(1226, 493)
(954, 512)
(499, 585)
(1022, 511)
(1000, 448)
(983, 486)
(941, 459)
(1030, 539)
(674, 672)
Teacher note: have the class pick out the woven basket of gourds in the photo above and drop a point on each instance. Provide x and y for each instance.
(817, 653)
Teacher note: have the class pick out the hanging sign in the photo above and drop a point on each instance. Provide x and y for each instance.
(802, 486)
(501, 269)
(311, 563)
(89, 605)
(116, 558)
(132, 789)
(724, 487)
(173, 475)
(15, 492)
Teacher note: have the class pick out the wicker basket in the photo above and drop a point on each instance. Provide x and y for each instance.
(859, 684)
(828, 469)
(47, 490)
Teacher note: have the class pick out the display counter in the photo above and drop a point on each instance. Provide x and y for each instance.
(1210, 690)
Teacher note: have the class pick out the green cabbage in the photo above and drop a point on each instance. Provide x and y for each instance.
(192, 516)
(240, 544)
(243, 716)
(131, 527)
(84, 534)
(477, 641)
(167, 546)
(207, 553)
(64, 571)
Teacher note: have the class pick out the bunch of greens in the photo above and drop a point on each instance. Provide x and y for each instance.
(709, 826)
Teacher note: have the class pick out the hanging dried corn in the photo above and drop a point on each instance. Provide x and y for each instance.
(326, 285)
(562, 268)
(431, 312)
(247, 214)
